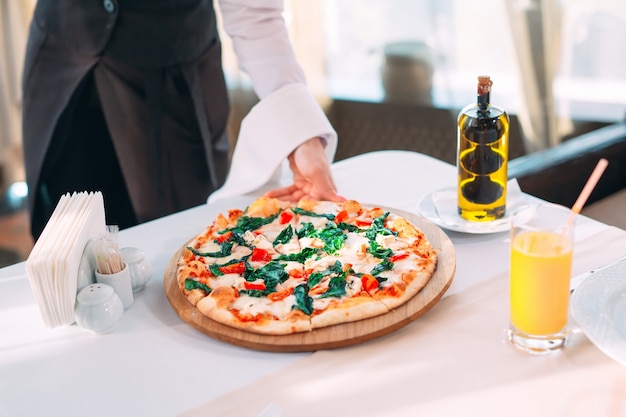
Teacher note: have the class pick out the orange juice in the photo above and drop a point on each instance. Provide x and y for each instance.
(541, 264)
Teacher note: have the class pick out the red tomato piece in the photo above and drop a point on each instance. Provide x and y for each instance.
(260, 255)
(254, 286)
(363, 222)
(286, 216)
(238, 268)
(398, 256)
(296, 273)
(280, 295)
(369, 283)
(342, 216)
(224, 237)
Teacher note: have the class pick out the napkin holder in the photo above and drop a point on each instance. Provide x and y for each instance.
(54, 264)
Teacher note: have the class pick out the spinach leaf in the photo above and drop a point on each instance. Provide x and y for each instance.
(336, 287)
(254, 293)
(385, 265)
(378, 227)
(303, 301)
(333, 238)
(215, 268)
(238, 238)
(379, 252)
(271, 273)
(191, 284)
(306, 230)
(300, 257)
(336, 268)
(351, 271)
(303, 212)
(226, 249)
(316, 277)
(349, 227)
(245, 223)
(284, 236)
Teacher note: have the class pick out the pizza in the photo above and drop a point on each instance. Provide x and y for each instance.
(279, 268)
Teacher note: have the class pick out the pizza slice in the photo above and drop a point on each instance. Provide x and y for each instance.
(260, 300)
(408, 261)
(335, 284)
(339, 295)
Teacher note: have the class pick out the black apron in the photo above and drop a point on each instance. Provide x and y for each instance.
(125, 97)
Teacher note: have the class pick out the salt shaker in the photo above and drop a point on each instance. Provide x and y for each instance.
(139, 267)
(98, 308)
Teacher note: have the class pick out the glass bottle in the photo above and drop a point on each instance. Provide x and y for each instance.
(482, 155)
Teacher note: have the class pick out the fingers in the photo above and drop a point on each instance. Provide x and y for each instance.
(289, 193)
(327, 196)
(296, 193)
(312, 178)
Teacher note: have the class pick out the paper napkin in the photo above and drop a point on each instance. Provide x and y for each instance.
(53, 264)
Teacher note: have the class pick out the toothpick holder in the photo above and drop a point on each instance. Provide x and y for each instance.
(121, 283)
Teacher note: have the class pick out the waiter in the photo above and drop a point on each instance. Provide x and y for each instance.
(128, 97)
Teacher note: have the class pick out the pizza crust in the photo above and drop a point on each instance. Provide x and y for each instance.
(217, 305)
(348, 310)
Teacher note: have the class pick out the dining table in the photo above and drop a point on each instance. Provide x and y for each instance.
(452, 360)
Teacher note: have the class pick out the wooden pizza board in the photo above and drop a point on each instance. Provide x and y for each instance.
(331, 337)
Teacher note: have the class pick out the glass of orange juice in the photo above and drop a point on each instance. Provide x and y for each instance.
(541, 266)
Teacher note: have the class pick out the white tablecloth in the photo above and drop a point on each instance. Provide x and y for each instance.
(155, 364)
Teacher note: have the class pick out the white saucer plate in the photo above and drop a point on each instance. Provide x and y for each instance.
(599, 307)
(440, 208)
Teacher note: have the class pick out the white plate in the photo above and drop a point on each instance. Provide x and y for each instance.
(440, 207)
(599, 307)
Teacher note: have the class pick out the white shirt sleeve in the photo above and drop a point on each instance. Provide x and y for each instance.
(287, 114)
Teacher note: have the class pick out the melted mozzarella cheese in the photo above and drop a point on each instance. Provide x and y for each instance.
(355, 243)
(354, 250)
(249, 237)
(226, 280)
(253, 305)
(321, 303)
(326, 207)
(272, 230)
(291, 265)
(237, 253)
(393, 242)
(289, 283)
(319, 264)
(293, 246)
(405, 264)
(364, 267)
(210, 246)
(318, 222)
(353, 286)
(400, 267)
(262, 242)
(311, 242)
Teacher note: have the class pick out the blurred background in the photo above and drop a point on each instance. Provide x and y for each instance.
(393, 74)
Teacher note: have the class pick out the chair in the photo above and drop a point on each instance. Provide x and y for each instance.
(558, 174)
(367, 126)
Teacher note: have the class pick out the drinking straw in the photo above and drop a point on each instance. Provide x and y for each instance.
(586, 192)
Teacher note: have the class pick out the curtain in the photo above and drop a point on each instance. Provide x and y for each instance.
(15, 17)
(536, 28)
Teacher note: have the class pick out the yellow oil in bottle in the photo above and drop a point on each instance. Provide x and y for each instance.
(482, 156)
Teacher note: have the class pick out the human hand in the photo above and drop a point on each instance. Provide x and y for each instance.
(312, 178)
